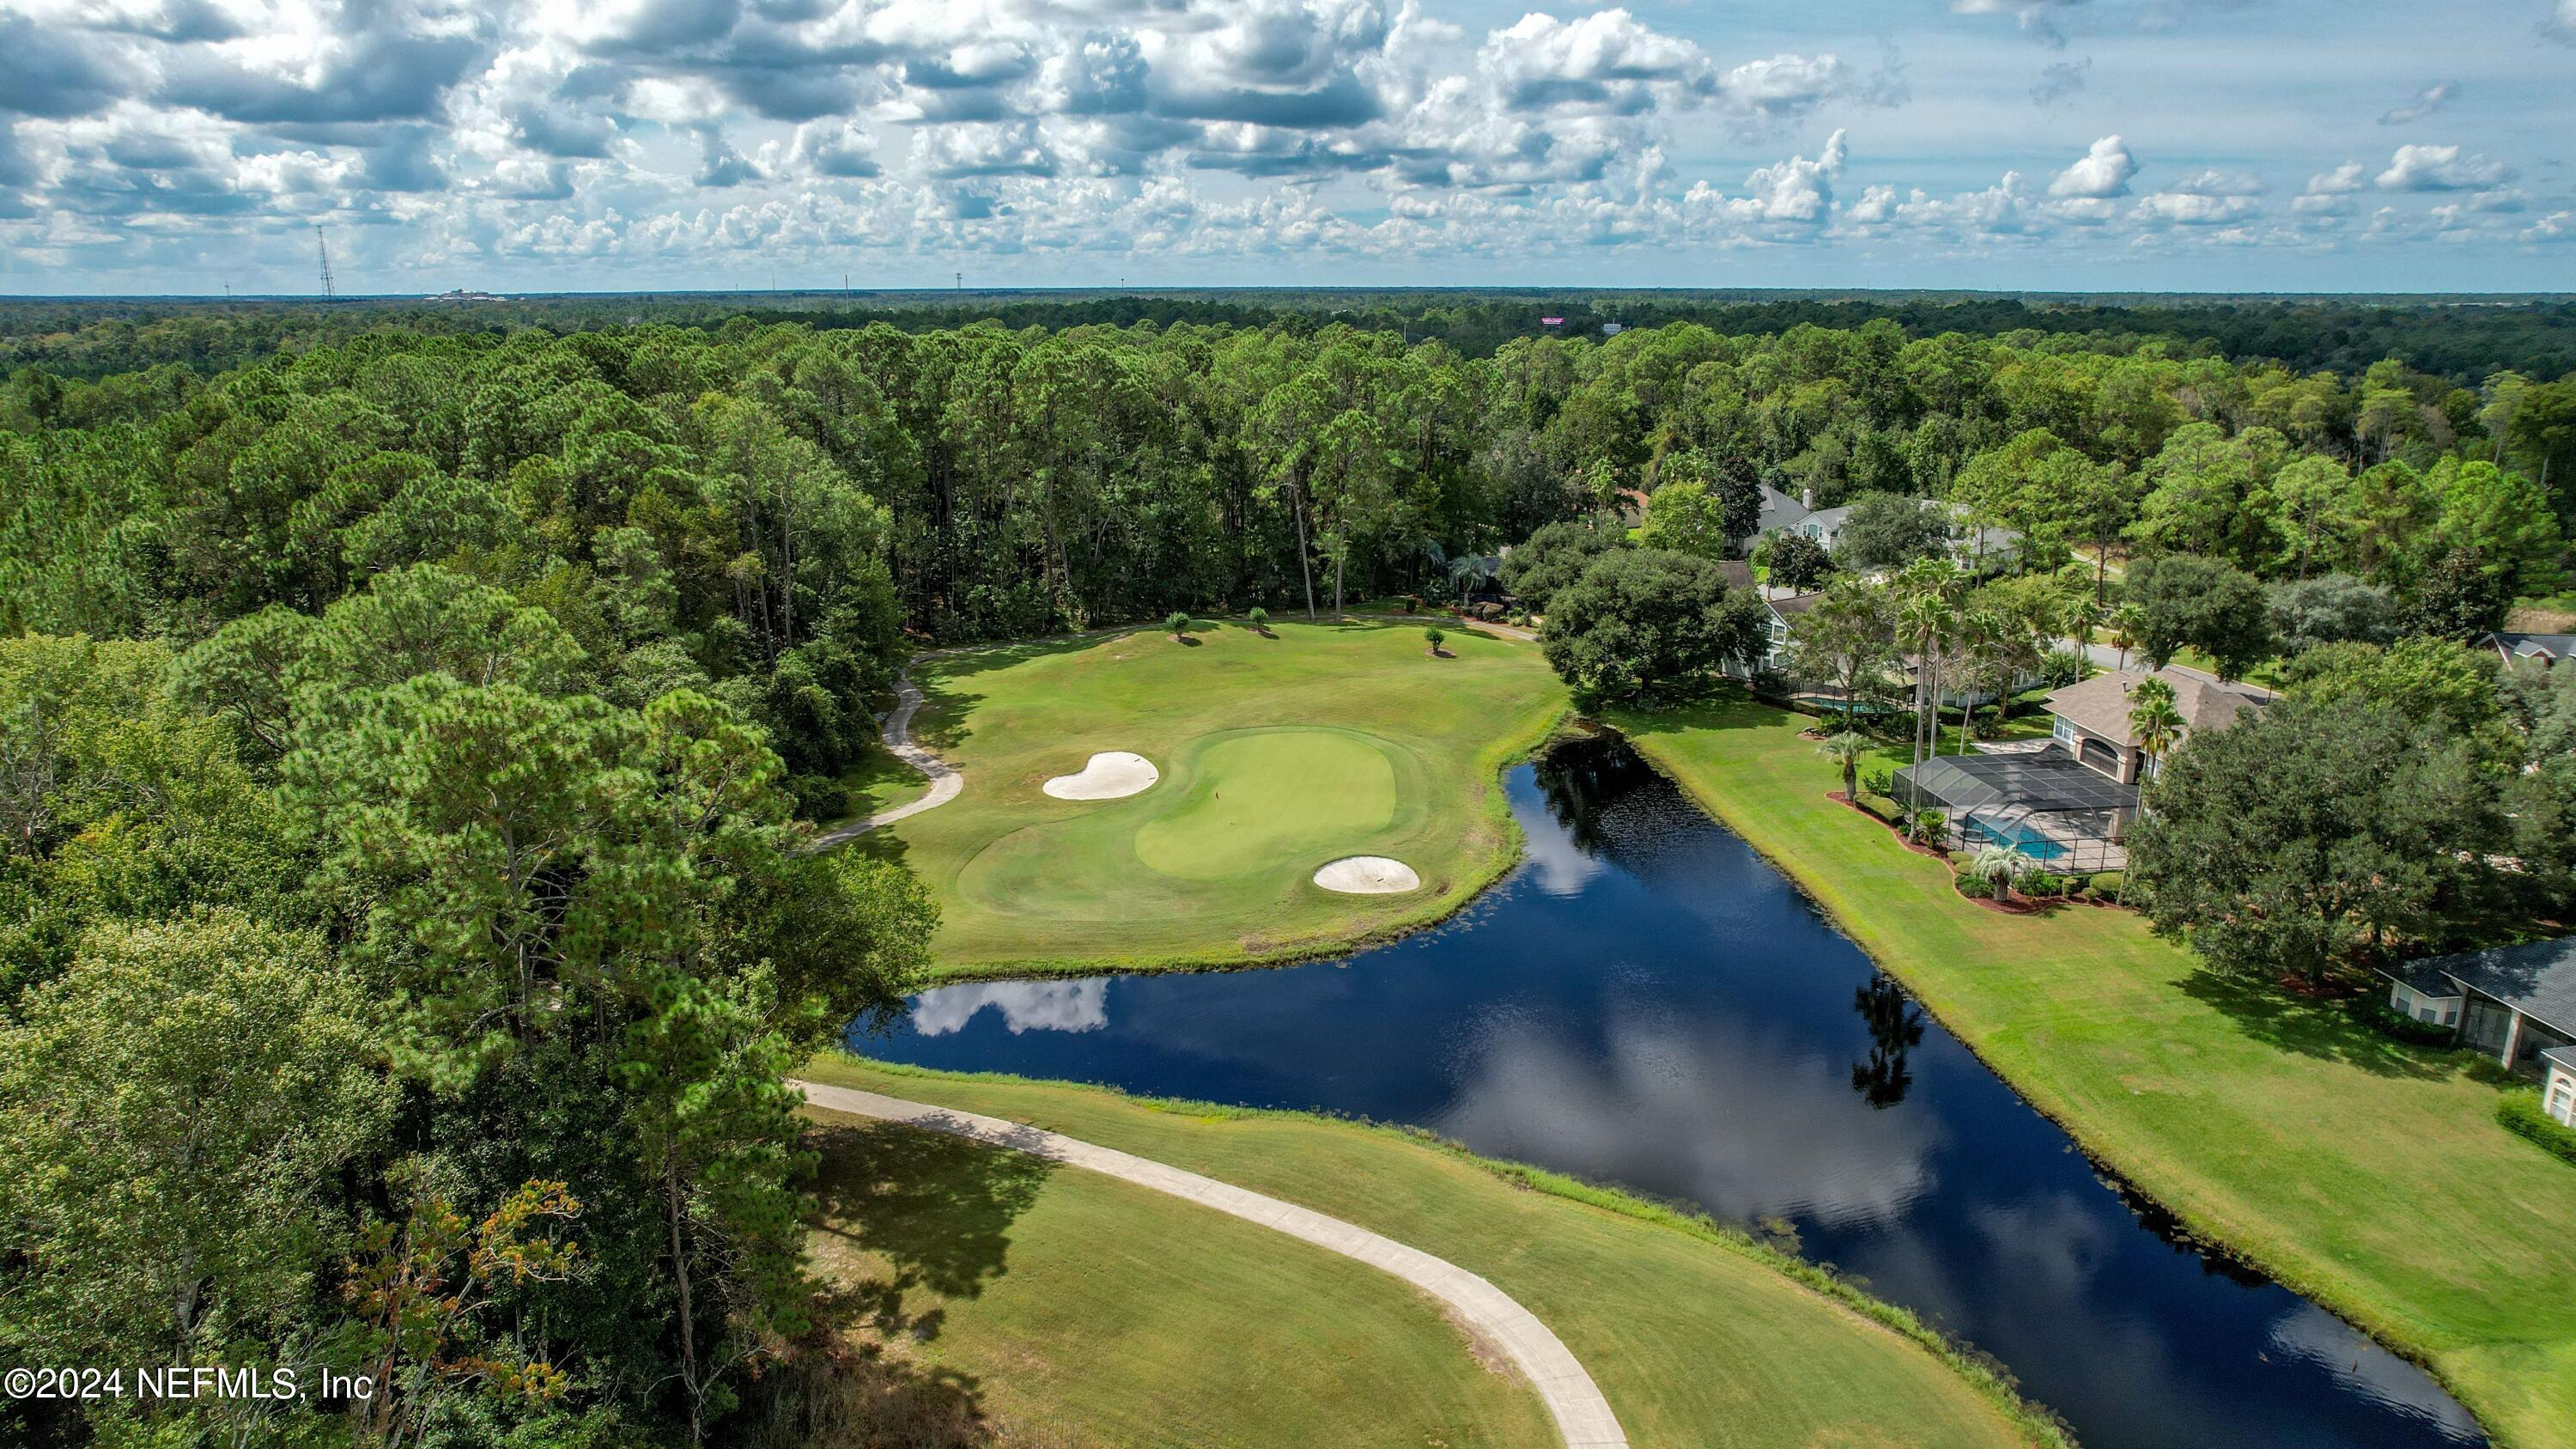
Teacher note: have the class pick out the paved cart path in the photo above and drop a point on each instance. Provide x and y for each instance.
(945, 781)
(1583, 1417)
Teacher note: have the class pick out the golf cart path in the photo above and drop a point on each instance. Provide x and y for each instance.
(1582, 1415)
(945, 779)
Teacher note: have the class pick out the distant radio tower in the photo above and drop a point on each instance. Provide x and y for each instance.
(961, 281)
(322, 244)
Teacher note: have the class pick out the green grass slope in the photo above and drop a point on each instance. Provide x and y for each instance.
(1277, 753)
(2369, 1176)
(1697, 1337)
(1073, 1307)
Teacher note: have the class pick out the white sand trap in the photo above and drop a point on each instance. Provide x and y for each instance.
(1368, 875)
(1111, 775)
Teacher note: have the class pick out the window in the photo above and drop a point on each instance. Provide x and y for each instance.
(2060, 727)
(2562, 1099)
(2451, 1017)
(2423, 1013)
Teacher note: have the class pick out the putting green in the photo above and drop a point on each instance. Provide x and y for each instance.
(1279, 752)
(1260, 798)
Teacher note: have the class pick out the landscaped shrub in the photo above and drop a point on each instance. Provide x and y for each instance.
(2041, 883)
(1932, 828)
(2107, 883)
(2519, 1113)
(1878, 780)
(2390, 1021)
(1974, 887)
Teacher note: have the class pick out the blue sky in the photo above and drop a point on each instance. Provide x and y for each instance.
(182, 145)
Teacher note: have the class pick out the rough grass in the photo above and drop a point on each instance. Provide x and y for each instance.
(1054, 1305)
(879, 781)
(2367, 1174)
(1278, 752)
(1695, 1334)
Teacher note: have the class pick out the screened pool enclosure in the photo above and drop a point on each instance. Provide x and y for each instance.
(2063, 814)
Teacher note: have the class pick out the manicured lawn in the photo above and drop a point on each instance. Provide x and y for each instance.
(1072, 1307)
(1696, 1338)
(2370, 1176)
(1277, 754)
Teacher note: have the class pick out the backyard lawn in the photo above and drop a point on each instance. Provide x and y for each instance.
(1696, 1339)
(2367, 1175)
(1276, 754)
(1069, 1307)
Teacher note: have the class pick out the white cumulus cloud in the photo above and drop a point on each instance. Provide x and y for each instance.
(2103, 171)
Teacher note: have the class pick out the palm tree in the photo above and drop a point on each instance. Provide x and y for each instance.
(2153, 719)
(1999, 866)
(2127, 622)
(1926, 619)
(1984, 650)
(1844, 748)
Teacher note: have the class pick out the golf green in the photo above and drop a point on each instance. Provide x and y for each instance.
(1295, 792)
(1278, 751)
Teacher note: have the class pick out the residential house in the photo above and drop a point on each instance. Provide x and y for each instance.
(1980, 548)
(2545, 650)
(1779, 513)
(1780, 613)
(2091, 719)
(2515, 1002)
(1825, 525)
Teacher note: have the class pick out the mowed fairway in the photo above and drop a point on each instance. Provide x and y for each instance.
(1072, 1308)
(1277, 754)
(1696, 1339)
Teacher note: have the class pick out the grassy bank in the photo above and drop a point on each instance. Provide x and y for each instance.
(1696, 1335)
(1058, 1306)
(2367, 1175)
(1278, 752)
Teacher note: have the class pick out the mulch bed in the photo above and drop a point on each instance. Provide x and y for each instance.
(2019, 906)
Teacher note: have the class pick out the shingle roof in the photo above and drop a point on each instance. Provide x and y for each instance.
(2560, 1057)
(1792, 605)
(2102, 704)
(1779, 510)
(2547, 647)
(1738, 573)
(2537, 978)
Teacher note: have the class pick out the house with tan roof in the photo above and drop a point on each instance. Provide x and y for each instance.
(2091, 719)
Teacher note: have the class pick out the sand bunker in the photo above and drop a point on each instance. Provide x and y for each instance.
(1368, 875)
(1111, 775)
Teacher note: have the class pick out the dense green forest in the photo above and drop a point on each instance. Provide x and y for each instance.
(2461, 338)
(403, 923)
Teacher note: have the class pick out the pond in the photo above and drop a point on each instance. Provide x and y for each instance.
(1645, 1001)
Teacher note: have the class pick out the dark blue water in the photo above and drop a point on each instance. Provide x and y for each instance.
(1645, 1001)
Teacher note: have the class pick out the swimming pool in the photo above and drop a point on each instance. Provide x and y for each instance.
(2019, 835)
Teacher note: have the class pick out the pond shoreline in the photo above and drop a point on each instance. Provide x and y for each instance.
(2100, 1148)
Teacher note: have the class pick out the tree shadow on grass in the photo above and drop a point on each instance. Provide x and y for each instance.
(2324, 1028)
(937, 1208)
(833, 1393)
(1730, 707)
